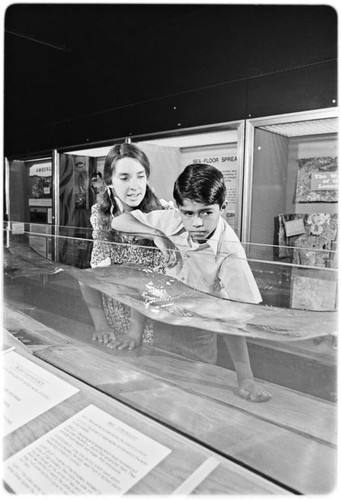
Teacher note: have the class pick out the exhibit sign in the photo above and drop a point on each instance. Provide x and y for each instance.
(41, 170)
(321, 181)
(40, 185)
(317, 179)
(29, 391)
(90, 453)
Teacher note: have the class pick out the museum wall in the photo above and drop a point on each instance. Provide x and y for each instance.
(296, 90)
(230, 63)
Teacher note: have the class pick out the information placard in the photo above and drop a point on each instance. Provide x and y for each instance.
(294, 227)
(29, 391)
(90, 453)
(226, 160)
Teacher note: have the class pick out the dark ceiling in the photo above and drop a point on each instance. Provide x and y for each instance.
(79, 60)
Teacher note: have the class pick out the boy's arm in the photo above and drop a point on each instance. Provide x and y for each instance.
(248, 387)
(126, 223)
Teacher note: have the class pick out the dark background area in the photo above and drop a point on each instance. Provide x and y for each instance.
(86, 73)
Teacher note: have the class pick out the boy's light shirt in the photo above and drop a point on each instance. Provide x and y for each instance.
(218, 266)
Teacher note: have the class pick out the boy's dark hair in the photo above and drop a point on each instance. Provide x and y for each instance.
(201, 183)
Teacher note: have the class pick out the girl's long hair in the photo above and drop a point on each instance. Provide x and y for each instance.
(107, 202)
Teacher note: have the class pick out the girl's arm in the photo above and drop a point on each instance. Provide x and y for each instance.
(93, 298)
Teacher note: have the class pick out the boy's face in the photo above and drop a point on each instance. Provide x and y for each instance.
(199, 220)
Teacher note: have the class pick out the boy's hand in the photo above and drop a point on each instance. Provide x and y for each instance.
(249, 389)
(168, 249)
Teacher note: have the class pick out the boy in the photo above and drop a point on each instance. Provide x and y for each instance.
(212, 257)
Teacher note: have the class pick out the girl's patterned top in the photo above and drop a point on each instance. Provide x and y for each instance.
(127, 248)
(111, 247)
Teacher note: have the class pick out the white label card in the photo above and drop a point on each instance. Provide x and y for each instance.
(294, 227)
(322, 181)
(29, 391)
(90, 453)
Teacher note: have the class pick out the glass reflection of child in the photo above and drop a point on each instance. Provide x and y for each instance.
(212, 257)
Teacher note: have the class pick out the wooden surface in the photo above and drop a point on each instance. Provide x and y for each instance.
(185, 458)
(290, 440)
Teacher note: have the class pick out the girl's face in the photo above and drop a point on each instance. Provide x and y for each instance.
(129, 181)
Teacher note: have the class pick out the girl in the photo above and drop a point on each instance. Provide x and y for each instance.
(126, 173)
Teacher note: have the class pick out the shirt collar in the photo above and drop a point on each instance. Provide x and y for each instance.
(211, 242)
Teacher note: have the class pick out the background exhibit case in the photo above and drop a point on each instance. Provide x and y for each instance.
(291, 194)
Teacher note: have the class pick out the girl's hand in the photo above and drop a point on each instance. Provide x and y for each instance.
(133, 337)
(167, 205)
(104, 335)
(129, 341)
(168, 249)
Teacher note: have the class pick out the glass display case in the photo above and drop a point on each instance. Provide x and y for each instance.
(179, 385)
(287, 443)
